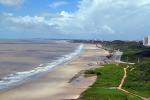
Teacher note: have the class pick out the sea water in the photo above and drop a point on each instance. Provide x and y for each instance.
(19, 77)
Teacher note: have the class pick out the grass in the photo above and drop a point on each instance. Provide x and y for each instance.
(105, 86)
(136, 84)
(111, 75)
(138, 80)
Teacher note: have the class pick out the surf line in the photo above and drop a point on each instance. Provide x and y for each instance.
(20, 77)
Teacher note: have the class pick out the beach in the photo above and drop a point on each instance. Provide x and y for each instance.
(55, 84)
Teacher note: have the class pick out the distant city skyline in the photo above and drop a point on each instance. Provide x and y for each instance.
(75, 19)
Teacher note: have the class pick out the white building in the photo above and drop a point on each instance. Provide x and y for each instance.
(146, 41)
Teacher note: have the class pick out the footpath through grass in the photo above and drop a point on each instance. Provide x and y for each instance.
(108, 78)
(138, 78)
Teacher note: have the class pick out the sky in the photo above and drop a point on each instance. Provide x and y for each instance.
(75, 19)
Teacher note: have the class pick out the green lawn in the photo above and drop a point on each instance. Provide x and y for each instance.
(138, 83)
(104, 88)
(138, 80)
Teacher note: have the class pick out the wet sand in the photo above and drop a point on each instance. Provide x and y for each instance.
(55, 84)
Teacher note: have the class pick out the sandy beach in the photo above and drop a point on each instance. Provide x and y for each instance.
(55, 85)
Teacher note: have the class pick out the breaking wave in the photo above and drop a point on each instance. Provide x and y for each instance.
(18, 77)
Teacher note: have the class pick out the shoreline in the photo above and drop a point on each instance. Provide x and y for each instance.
(15, 79)
(54, 85)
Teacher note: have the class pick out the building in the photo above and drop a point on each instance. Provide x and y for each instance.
(146, 41)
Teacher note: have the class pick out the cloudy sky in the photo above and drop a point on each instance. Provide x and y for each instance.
(83, 19)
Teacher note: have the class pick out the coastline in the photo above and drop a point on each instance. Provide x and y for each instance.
(54, 85)
(14, 79)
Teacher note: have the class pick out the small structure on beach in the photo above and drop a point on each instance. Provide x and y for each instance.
(116, 55)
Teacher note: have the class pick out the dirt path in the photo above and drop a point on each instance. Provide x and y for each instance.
(122, 82)
(124, 77)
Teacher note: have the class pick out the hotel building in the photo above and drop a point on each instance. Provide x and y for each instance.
(146, 41)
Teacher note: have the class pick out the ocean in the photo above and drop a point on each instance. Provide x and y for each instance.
(22, 59)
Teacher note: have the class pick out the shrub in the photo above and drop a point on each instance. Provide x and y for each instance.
(90, 72)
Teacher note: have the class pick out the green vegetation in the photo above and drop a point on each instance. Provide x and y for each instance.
(108, 78)
(132, 50)
(138, 79)
(91, 72)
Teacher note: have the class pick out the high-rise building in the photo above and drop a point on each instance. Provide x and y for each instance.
(146, 41)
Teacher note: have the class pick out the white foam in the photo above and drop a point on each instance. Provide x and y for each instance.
(19, 77)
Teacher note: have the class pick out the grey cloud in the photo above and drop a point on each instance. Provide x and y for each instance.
(119, 15)
(11, 2)
(94, 17)
(28, 24)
